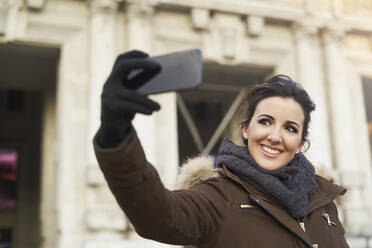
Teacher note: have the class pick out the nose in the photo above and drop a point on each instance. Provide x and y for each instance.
(275, 136)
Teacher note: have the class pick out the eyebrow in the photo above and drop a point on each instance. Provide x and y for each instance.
(272, 118)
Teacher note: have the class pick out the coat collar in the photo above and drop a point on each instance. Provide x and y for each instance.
(325, 193)
(199, 169)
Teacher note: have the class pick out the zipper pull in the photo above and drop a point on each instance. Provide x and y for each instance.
(329, 221)
(326, 216)
(302, 225)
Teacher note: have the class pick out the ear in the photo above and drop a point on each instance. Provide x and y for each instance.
(245, 131)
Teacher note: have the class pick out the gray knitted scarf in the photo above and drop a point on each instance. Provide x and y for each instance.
(290, 186)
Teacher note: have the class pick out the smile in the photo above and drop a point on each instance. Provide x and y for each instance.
(270, 151)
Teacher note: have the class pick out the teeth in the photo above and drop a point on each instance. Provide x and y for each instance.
(269, 150)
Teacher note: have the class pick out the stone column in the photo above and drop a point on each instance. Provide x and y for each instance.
(344, 136)
(310, 75)
(140, 37)
(102, 214)
(102, 56)
(201, 22)
(12, 16)
(139, 26)
(158, 132)
(71, 142)
(4, 8)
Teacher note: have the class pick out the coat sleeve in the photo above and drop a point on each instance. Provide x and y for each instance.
(182, 217)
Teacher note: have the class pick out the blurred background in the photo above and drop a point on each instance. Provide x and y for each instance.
(55, 56)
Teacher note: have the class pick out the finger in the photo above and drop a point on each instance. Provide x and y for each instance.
(122, 106)
(125, 95)
(147, 69)
(130, 55)
(144, 77)
(138, 98)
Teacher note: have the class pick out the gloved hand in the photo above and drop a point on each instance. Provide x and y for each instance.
(120, 101)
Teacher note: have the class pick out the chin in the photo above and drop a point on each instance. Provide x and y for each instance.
(270, 165)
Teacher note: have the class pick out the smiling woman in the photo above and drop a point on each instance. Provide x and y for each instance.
(276, 118)
(239, 198)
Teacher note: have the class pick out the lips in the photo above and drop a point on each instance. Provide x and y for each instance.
(270, 151)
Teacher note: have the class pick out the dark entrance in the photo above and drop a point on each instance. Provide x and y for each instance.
(27, 74)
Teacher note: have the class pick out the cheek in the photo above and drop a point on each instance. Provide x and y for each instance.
(256, 133)
(293, 144)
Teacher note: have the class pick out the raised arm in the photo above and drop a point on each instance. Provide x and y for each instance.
(184, 217)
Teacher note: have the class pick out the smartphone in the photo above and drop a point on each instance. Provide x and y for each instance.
(180, 71)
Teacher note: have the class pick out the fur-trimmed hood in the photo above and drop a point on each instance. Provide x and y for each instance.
(195, 171)
(200, 169)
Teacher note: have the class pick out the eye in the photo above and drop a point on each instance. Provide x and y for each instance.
(264, 121)
(291, 129)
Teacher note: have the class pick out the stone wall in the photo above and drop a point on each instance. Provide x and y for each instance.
(325, 45)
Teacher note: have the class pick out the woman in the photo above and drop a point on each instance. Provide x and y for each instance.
(262, 194)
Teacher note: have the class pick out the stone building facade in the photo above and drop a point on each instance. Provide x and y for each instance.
(56, 54)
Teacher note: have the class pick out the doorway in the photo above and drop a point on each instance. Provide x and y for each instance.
(27, 79)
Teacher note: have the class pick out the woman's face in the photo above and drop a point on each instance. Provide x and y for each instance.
(274, 132)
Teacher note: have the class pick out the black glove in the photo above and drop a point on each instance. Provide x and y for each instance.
(120, 101)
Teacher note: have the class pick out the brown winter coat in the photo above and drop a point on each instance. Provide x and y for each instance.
(218, 210)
